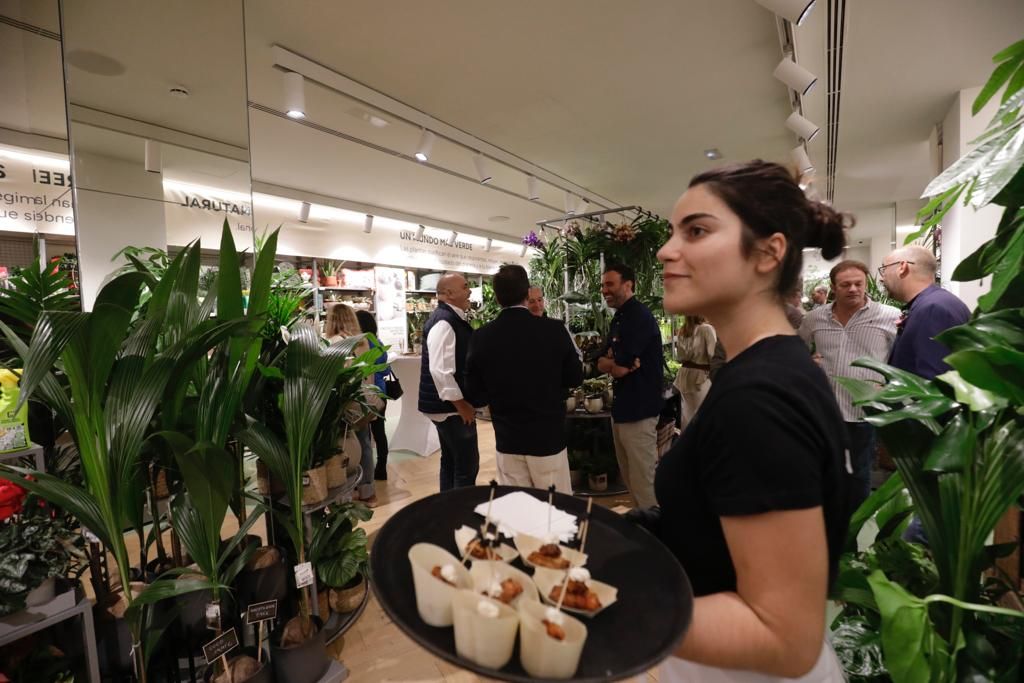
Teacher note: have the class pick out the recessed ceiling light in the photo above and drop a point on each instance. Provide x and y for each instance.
(498, 219)
(713, 153)
(179, 91)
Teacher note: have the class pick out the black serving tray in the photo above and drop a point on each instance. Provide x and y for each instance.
(645, 625)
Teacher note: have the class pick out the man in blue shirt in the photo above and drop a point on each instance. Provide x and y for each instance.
(909, 276)
(633, 357)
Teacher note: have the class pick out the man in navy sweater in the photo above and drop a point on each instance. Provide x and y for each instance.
(909, 276)
(522, 365)
(442, 395)
(633, 356)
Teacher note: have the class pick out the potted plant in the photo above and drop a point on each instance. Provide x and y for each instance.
(328, 274)
(933, 613)
(308, 374)
(118, 361)
(36, 548)
(338, 552)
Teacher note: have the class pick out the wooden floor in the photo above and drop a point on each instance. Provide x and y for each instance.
(374, 649)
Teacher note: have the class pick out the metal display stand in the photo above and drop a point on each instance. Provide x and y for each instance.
(612, 489)
(82, 609)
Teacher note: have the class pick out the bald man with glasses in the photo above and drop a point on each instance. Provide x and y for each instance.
(909, 276)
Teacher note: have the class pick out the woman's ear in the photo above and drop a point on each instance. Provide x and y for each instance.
(771, 251)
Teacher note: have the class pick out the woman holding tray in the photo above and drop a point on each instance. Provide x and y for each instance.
(752, 494)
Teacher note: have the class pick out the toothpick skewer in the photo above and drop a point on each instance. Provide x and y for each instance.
(565, 587)
(490, 501)
(586, 523)
(551, 504)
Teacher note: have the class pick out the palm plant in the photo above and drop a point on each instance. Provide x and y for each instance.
(118, 377)
(33, 290)
(309, 375)
(958, 441)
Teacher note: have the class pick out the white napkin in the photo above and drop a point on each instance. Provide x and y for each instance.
(521, 513)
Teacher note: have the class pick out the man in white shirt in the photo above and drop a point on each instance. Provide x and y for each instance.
(852, 327)
(442, 395)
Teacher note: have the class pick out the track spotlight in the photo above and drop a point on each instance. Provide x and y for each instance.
(570, 204)
(532, 188)
(368, 224)
(426, 143)
(583, 206)
(304, 211)
(796, 11)
(801, 159)
(294, 95)
(801, 126)
(795, 76)
(420, 232)
(481, 168)
(451, 240)
(153, 157)
(487, 248)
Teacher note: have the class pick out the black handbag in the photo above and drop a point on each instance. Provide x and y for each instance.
(392, 387)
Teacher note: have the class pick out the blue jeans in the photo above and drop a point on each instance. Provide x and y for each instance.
(862, 455)
(460, 457)
(366, 487)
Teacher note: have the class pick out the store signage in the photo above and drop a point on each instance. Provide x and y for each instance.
(261, 611)
(35, 199)
(192, 215)
(389, 307)
(221, 645)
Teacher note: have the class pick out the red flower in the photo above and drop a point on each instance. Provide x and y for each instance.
(12, 497)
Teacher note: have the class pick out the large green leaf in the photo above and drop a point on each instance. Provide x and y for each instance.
(996, 81)
(951, 451)
(968, 167)
(53, 332)
(1002, 328)
(878, 498)
(976, 399)
(999, 370)
(913, 650)
(985, 259)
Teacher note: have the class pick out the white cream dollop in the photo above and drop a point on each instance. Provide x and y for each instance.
(554, 616)
(448, 573)
(490, 536)
(494, 590)
(579, 574)
(488, 610)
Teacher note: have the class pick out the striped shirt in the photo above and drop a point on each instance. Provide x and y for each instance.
(871, 331)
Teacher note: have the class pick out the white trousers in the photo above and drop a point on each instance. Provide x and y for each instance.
(675, 670)
(535, 471)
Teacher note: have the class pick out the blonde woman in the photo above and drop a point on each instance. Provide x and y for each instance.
(341, 323)
(695, 345)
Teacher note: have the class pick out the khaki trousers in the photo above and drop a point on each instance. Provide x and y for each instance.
(535, 471)
(636, 449)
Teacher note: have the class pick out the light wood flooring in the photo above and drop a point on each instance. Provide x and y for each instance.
(374, 649)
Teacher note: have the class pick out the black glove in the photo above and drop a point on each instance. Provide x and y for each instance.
(647, 518)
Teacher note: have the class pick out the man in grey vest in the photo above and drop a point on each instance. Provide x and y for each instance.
(442, 395)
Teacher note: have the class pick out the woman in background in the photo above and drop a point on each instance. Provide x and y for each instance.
(695, 346)
(368, 324)
(342, 323)
(752, 495)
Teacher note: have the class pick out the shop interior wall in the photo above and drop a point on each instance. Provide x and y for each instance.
(34, 199)
(116, 110)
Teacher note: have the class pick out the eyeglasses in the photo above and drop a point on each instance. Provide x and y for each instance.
(881, 268)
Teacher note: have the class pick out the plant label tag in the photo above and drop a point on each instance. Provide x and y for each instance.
(220, 646)
(212, 615)
(261, 611)
(305, 480)
(90, 536)
(304, 575)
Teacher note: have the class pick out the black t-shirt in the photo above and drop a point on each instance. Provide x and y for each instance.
(769, 436)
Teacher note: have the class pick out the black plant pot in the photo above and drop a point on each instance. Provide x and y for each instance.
(269, 583)
(192, 612)
(114, 646)
(305, 663)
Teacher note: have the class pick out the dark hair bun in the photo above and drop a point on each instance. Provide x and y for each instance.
(826, 228)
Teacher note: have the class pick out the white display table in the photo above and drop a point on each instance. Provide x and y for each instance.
(415, 432)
